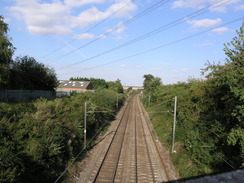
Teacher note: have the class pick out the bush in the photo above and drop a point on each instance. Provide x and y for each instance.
(39, 138)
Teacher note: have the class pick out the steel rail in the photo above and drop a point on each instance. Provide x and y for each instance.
(106, 154)
(148, 153)
(121, 145)
(136, 170)
(154, 141)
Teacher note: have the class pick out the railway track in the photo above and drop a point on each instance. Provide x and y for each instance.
(132, 154)
(108, 168)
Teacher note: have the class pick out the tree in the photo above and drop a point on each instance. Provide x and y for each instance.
(226, 93)
(115, 86)
(27, 74)
(148, 78)
(6, 53)
(150, 82)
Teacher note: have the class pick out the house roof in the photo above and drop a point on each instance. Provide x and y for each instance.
(73, 84)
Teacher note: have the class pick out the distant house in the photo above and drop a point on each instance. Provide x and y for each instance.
(66, 87)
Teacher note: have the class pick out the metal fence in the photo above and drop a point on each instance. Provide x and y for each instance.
(63, 93)
(22, 95)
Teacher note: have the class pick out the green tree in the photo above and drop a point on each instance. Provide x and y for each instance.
(27, 74)
(115, 86)
(6, 53)
(210, 114)
(150, 82)
(226, 93)
(147, 78)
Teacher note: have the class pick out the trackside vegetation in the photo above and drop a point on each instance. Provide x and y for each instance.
(40, 138)
(210, 115)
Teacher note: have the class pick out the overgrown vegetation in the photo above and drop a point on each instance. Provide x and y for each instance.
(22, 73)
(210, 117)
(39, 138)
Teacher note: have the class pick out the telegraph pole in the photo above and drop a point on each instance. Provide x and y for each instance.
(85, 113)
(173, 137)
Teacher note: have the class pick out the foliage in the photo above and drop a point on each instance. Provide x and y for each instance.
(39, 138)
(23, 73)
(6, 53)
(27, 74)
(98, 84)
(115, 86)
(151, 83)
(210, 115)
(226, 82)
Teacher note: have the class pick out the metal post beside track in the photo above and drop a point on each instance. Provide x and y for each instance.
(173, 137)
(85, 113)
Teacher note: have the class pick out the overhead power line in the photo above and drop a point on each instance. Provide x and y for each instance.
(141, 14)
(158, 47)
(154, 32)
(90, 29)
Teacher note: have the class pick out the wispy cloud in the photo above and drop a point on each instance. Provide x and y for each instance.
(122, 66)
(241, 7)
(78, 3)
(101, 36)
(219, 4)
(188, 3)
(204, 22)
(84, 36)
(118, 29)
(220, 30)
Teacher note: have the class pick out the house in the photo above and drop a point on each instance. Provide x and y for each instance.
(66, 87)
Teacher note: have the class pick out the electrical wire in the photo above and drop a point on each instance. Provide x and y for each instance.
(90, 29)
(157, 48)
(141, 14)
(72, 162)
(184, 126)
(154, 32)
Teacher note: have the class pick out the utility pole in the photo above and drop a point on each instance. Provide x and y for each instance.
(85, 113)
(173, 137)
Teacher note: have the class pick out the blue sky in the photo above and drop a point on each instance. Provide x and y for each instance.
(77, 37)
